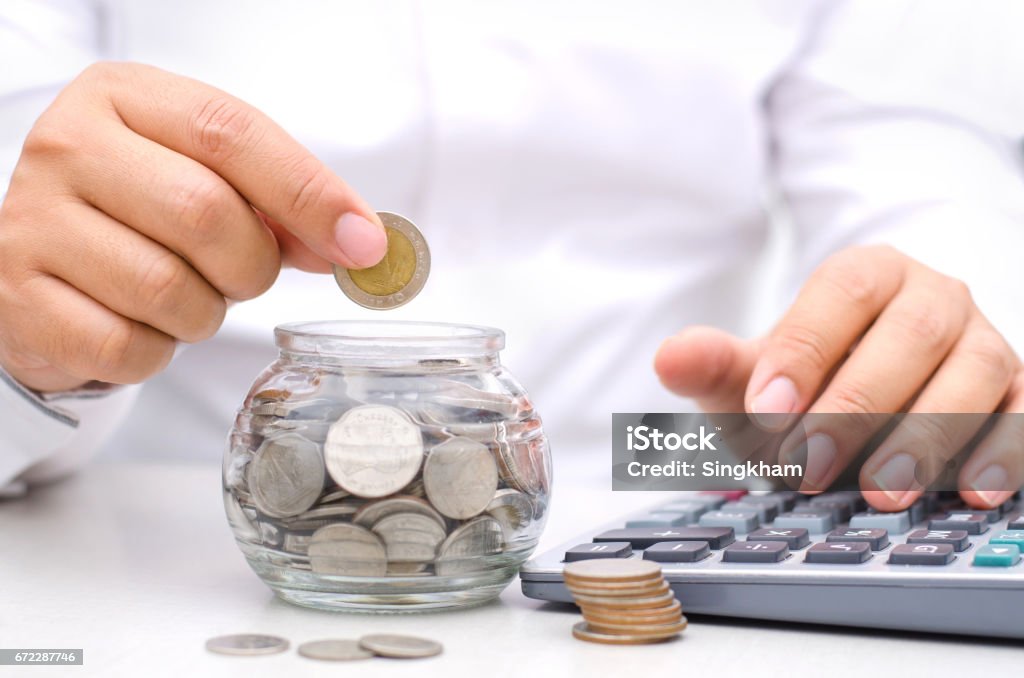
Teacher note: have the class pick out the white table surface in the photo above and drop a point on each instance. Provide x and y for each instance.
(134, 563)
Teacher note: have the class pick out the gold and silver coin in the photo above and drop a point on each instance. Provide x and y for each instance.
(400, 647)
(398, 277)
(247, 644)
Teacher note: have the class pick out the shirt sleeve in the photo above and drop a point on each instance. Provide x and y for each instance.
(901, 123)
(44, 44)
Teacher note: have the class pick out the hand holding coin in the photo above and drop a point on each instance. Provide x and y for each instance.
(398, 277)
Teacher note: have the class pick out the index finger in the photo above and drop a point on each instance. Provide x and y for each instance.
(273, 171)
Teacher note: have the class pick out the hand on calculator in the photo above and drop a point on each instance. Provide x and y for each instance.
(872, 331)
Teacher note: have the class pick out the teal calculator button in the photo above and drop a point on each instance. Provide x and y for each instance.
(997, 555)
(1015, 537)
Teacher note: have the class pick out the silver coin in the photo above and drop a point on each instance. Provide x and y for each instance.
(399, 277)
(240, 523)
(369, 514)
(460, 477)
(373, 450)
(247, 644)
(336, 510)
(461, 394)
(296, 543)
(464, 548)
(270, 534)
(408, 570)
(400, 647)
(524, 465)
(286, 475)
(513, 510)
(337, 495)
(334, 650)
(342, 549)
(409, 537)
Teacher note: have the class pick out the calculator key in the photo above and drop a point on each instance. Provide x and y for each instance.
(839, 553)
(659, 519)
(1015, 537)
(728, 495)
(693, 510)
(840, 508)
(921, 554)
(765, 513)
(958, 539)
(755, 552)
(678, 551)
(793, 537)
(774, 500)
(973, 523)
(643, 537)
(1016, 522)
(997, 555)
(612, 549)
(893, 523)
(815, 523)
(875, 537)
(711, 501)
(918, 510)
(740, 521)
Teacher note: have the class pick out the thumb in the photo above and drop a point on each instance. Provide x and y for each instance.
(708, 365)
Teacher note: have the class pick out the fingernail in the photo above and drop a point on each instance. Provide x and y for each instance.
(361, 240)
(821, 454)
(991, 484)
(776, 400)
(896, 477)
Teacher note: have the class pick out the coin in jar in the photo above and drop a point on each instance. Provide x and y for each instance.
(247, 644)
(460, 477)
(513, 510)
(368, 515)
(286, 475)
(400, 647)
(409, 537)
(398, 277)
(462, 550)
(343, 549)
(373, 450)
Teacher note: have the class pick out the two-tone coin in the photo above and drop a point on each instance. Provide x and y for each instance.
(398, 277)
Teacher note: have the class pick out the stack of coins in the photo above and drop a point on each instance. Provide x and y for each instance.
(624, 601)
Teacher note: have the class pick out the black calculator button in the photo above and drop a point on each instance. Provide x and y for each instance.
(643, 537)
(611, 549)
(755, 552)
(921, 554)
(793, 537)
(875, 537)
(677, 551)
(958, 539)
(839, 553)
(972, 523)
(1016, 523)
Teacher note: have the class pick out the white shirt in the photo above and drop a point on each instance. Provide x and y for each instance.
(591, 176)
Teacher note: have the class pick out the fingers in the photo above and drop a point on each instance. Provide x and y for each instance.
(72, 334)
(261, 161)
(708, 365)
(841, 299)
(181, 204)
(294, 252)
(130, 274)
(995, 469)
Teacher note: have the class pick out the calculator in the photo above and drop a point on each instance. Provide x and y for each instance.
(939, 566)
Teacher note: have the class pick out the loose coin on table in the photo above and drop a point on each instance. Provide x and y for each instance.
(400, 647)
(247, 644)
(335, 650)
(373, 450)
(398, 277)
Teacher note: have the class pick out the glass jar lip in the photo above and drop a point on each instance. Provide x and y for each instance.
(388, 338)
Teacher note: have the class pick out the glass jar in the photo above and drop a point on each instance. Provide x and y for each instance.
(387, 466)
